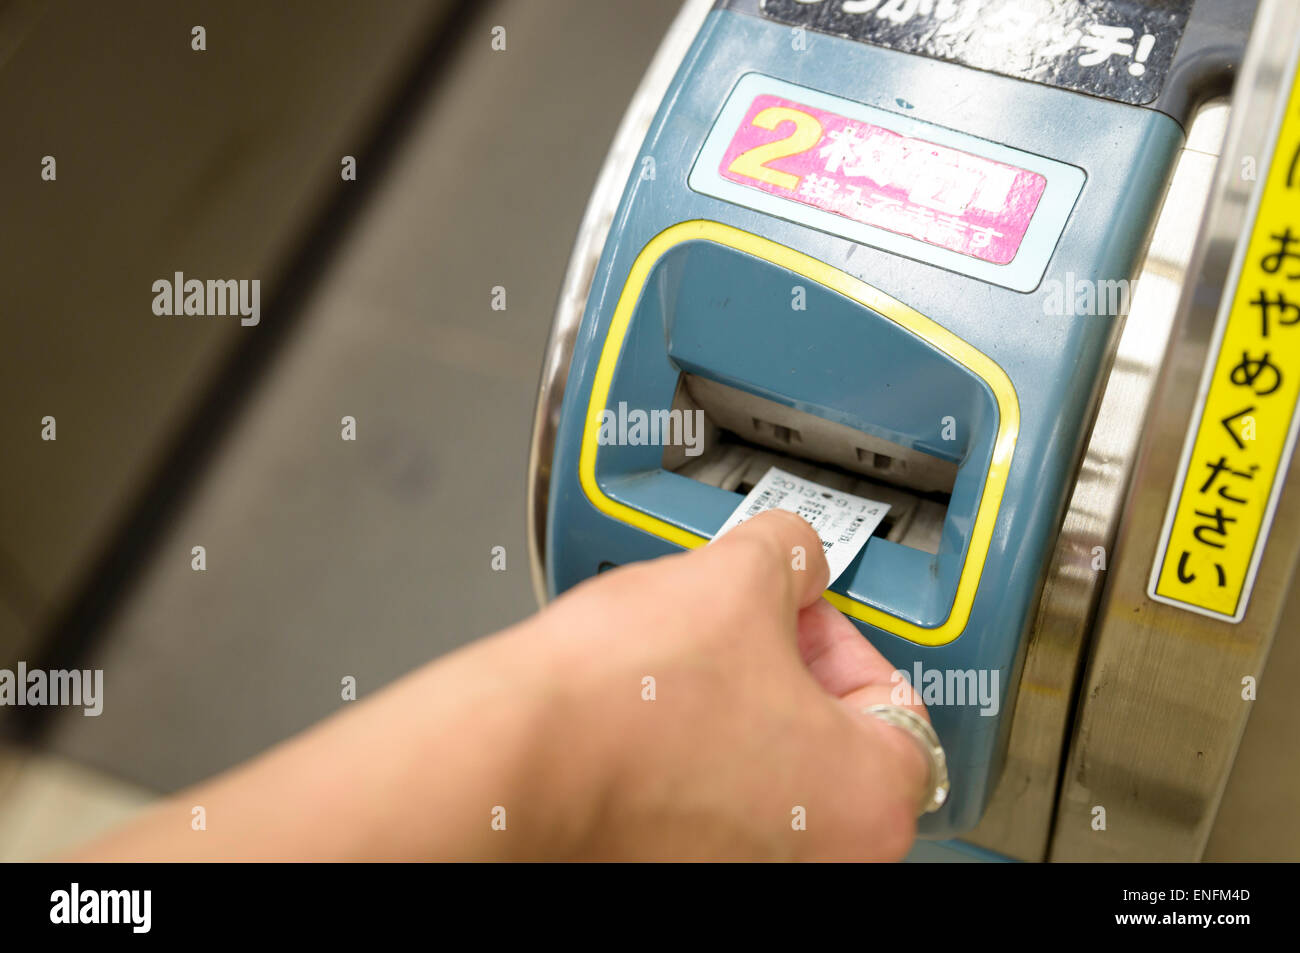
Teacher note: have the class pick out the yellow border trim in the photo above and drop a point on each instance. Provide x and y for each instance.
(915, 322)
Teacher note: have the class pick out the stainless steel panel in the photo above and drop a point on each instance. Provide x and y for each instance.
(1161, 710)
(1019, 817)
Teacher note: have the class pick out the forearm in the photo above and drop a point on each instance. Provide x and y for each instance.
(707, 706)
(416, 772)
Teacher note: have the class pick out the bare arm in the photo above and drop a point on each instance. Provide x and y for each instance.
(546, 741)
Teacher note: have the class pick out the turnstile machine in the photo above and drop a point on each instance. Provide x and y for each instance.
(1026, 271)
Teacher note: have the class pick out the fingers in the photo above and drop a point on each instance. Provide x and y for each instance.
(789, 554)
(836, 653)
(909, 766)
(848, 666)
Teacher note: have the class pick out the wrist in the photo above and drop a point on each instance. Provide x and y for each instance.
(549, 739)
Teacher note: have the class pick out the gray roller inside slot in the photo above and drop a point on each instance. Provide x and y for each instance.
(745, 435)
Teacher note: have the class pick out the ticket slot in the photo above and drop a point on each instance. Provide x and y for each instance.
(745, 435)
(830, 395)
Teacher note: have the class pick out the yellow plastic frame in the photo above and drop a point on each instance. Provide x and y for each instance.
(910, 319)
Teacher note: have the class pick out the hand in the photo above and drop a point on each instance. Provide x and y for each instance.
(543, 742)
(759, 691)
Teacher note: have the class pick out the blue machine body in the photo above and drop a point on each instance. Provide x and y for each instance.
(888, 344)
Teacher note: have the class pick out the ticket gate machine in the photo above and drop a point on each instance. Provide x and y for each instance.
(890, 247)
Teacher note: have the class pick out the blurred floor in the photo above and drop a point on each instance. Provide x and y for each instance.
(328, 558)
(49, 804)
(215, 162)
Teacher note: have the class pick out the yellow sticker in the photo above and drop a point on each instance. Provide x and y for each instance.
(1243, 430)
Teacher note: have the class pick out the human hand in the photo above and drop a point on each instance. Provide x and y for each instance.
(544, 742)
(759, 687)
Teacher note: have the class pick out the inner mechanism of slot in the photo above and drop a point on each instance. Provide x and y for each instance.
(745, 435)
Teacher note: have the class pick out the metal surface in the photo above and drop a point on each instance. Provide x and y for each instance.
(1257, 818)
(1161, 711)
(596, 223)
(1019, 816)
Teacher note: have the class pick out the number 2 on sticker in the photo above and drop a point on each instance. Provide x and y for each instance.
(752, 163)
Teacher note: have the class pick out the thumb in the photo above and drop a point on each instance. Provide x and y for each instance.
(792, 553)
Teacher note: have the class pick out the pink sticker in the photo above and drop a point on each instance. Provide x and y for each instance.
(869, 174)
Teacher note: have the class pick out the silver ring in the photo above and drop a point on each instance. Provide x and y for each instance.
(920, 731)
